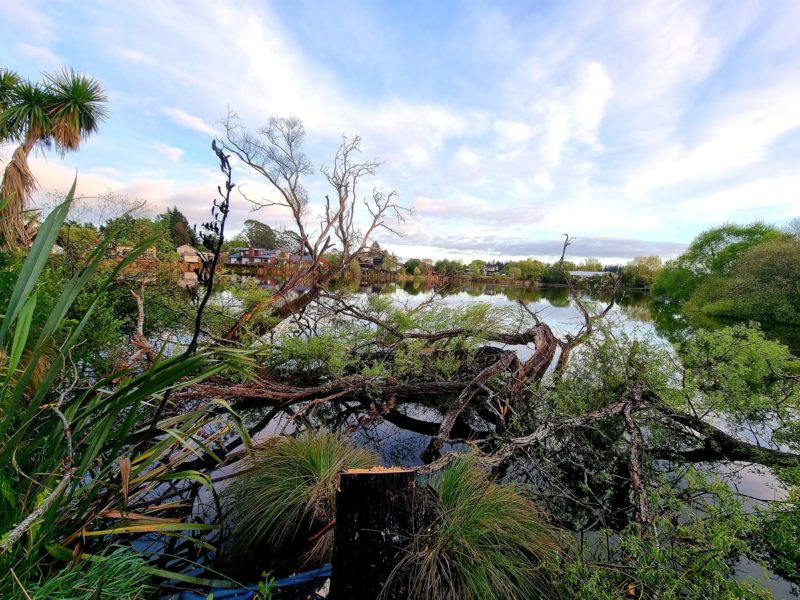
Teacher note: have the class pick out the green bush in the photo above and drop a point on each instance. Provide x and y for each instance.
(288, 493)
(487, 541)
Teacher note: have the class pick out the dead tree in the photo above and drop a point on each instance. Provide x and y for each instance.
(275, 153)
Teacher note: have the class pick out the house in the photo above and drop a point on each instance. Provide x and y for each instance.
(189, 255)
(253, 256)
(492, 268)
(372, 259)
(306, 259)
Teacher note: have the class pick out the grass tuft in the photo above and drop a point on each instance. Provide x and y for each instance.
(288, 493)
(487, 541)
(120, 575)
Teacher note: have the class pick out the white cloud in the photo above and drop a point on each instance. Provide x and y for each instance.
(594, 92)
(512, 132)
(169, 151)
(739, 135)
(466, 157)
(603, 123)
(32, 18)
(181, 117)
(40, 54)
(135, 56)
(417, 155)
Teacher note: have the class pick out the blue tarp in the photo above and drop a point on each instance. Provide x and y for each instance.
(247, 593)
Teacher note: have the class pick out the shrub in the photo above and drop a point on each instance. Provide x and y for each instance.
(288, 493)
(486, 541)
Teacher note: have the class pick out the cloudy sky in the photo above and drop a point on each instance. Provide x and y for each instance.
(630, 125)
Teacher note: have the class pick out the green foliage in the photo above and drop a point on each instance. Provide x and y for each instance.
(288, 493)
(63, 109)
(412, 264)
(325, 351)
(736, 369)
(449, 267)
(675, 281)
(590, 264)
(178, 228)
(528, 269)
(763, 285)
(712, 252)
(477, 265)
(266, 587)
(487, 541)
(63, 435)
(130, 231)
(552, 273)
(121, 575)
(609, 364)
(259, 235)
(690, 557)
(641, 272)
(778, 534)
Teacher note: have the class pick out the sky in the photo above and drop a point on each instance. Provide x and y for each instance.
(631, 126)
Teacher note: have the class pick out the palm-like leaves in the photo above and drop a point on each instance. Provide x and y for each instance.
(27, 115)
(9, 80)
(65, 109)
(75, 107)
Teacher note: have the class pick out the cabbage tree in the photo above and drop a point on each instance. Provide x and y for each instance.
(61, 112)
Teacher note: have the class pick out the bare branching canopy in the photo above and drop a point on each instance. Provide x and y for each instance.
(346, 220)
(275, 152)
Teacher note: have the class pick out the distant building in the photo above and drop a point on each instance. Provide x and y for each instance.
(586, 274)
(492, 268)
(116, 251)
(188, 254)
(256, 256)
(372, 259)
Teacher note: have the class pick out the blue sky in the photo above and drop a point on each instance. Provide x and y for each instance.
(630, 125)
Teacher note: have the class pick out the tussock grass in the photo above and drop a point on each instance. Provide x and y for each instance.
(120, 575)
(288, 493)
(487, 541)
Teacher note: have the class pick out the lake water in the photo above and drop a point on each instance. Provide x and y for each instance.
(638, 315)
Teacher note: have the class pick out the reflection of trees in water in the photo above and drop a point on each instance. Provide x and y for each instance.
(414, 288)
(675, 324)
(638, 311)
(394, 445)
(557, 296)
(524, 294)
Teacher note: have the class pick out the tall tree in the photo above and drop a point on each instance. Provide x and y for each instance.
(259, 235)
(590, 264)
(641, 271)
(178, 226)
(63, 110)
(411, 265)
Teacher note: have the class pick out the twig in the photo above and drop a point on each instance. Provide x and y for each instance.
(12, 536)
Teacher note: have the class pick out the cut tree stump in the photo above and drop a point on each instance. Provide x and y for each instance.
(375, 515)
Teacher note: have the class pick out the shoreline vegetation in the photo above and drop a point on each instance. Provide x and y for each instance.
(159, 441)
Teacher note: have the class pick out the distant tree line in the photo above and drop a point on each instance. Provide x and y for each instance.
(639, 273)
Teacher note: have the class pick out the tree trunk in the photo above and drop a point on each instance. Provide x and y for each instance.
(375, 514)
(17, 185)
